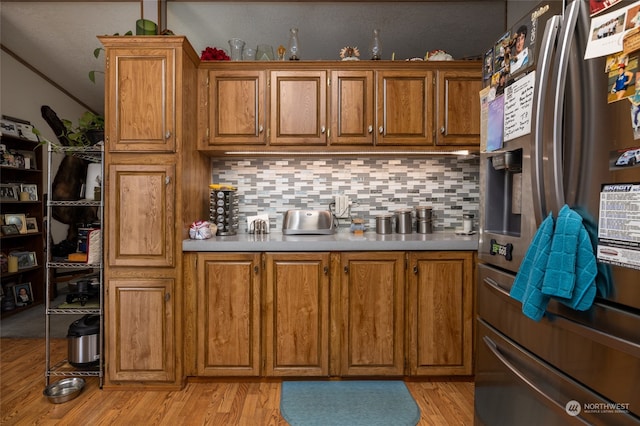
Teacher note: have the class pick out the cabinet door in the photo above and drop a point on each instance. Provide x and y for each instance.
(140, 103)
(297, 314)
(352, 108)
(405, 108)
(228, 318)
(141, 212)
(298, 108)
(372, 313)
(441, 313)
(140, 340)
(458, 113)
(236, 107)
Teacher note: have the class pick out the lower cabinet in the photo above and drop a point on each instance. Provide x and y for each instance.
(328, 314)
(372, 313)
(228, 315)
(296, 339)
(141, 326)
(440, 313)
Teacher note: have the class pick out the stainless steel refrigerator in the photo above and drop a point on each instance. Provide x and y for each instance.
(570, 366)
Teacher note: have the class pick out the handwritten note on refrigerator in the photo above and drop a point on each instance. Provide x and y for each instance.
(518, 107)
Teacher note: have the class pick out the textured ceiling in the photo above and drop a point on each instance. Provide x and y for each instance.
(58, 38)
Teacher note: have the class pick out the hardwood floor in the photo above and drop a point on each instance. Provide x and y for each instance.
(199, 403)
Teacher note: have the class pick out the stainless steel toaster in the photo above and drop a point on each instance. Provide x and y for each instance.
(308, 222)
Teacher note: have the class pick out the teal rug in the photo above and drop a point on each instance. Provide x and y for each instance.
(348, 403)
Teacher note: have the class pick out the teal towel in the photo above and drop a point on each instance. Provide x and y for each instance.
(571, 268)
(527, 287)
(560, 263)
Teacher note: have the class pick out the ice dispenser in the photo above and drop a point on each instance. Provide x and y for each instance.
(503, 206)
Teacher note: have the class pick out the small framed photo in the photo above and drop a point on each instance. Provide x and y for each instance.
(8, 192)
(32, 189)
(26, 259)
(29, 159)
(23, 294)
(32, 225)
(9, 230)
(19, 220)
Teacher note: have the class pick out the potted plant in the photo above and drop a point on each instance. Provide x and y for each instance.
(89, 131)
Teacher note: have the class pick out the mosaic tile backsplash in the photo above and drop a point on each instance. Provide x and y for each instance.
(450, 185)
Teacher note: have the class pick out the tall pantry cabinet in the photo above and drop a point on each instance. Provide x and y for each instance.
(154, 179)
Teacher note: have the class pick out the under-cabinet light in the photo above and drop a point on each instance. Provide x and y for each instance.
(462, 152)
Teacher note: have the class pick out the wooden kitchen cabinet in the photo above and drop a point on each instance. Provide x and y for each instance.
(440, 313)
(142, 343)
(228, 314)
(141, 222)
(458, 110)
(153, 192)
(371, 323)
(405, 107)
(237, 102)
(352, 108)
(298, 113)
(140, 95)
(296, 304)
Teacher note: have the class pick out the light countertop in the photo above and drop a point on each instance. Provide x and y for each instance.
(341, 241)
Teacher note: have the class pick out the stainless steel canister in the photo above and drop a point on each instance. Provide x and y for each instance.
(424, 226)
(404, 221)
(383, 224)
(424, 212)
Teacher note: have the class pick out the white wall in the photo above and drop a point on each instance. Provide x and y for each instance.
(23, 93)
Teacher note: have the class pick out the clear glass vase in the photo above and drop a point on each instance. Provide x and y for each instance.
(376, 46)
(294, 45)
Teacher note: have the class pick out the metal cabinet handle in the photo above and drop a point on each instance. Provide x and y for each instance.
(370, 128)
(346, 269)
(326, 270)
(322, 130)
(442, 130)
(256, 269)
(260, 128)
(167, 180)
(381, 129)
(168, 134)
(415, 269)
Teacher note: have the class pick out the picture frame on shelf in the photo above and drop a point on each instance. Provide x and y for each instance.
(30, 162)
(32, 225)
(17, 219)
(10, 229)
(23, 294)
(9, 192)
(30, 188)
(26, 259)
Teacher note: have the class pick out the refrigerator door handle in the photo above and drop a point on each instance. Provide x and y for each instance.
(555, 196)
(543, 77)
(491, 345)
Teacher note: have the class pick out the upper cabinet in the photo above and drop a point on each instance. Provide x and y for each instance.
(405, 104)
(141, 100)
(298, 108)
(328, 106)
(458, 111)
(236, 113)
(352, 108)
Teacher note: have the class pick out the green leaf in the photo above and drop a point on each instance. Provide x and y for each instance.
(92, 76)
(96, 52)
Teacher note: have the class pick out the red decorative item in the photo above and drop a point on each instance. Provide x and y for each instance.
(214, 54)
